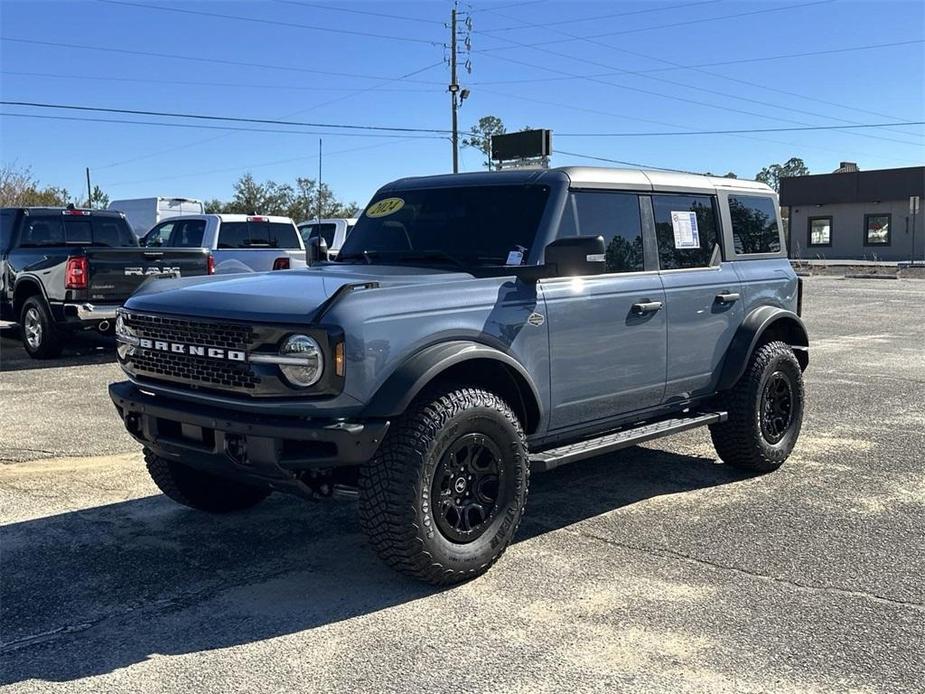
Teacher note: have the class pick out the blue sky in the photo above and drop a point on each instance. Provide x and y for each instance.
(527, 67)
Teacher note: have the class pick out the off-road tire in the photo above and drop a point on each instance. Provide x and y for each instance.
(741, 440)
(40, 338)
(397, 485)
(200, 490)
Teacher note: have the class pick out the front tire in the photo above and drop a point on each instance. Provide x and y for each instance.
(200, 490)
(765, 411)
(444, 494)
(40, 337)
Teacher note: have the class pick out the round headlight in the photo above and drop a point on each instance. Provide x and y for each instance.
(302, 362)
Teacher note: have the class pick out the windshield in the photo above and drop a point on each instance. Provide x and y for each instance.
(465, 226)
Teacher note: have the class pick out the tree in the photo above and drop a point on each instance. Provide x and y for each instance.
(19, 188)
(98, 199)
(480, 136)
(213, 206)
(772, 174)
(300, 202)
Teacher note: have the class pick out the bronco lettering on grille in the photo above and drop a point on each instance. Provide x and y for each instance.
(192, 350)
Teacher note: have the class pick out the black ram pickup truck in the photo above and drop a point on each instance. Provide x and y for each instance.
(65, 269)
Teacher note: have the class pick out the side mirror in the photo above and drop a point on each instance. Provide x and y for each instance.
(576, 255)
(316, 250)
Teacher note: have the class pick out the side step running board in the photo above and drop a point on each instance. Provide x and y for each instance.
(554, 457)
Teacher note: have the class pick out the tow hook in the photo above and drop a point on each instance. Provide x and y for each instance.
(236, 448)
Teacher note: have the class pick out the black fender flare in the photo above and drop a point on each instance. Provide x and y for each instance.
(415, 373)
(786, 323)
(22, 281)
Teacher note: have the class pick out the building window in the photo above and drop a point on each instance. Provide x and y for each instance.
(877, 230)
(820, 231)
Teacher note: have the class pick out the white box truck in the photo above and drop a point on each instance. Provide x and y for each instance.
(143, 213)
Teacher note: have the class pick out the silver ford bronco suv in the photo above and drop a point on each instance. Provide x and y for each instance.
(474, 328)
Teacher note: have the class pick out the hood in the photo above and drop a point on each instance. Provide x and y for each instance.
(280, 296)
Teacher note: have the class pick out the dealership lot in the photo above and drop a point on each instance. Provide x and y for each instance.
(653, 569)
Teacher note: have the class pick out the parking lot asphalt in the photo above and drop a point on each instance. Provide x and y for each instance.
(654, 569)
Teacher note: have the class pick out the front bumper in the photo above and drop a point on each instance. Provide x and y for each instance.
(265, 448)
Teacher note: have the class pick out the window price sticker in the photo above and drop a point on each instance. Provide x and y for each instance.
(684, 225)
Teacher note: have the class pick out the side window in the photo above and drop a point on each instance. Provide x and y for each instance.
(188, 233)
(6, 229)
(42, 231)
(159, 235)
(820, 231)
(877, 229)
(686, 229)
(754, 224)
(237, 235)
(615, 216)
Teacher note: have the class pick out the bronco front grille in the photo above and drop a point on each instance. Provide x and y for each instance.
(186, 368)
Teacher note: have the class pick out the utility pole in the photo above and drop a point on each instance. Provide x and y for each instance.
(458, 95)
(454, 90)
(319, 178)
(89, 191)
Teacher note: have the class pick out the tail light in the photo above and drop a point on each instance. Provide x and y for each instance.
(77, 273)
(210, 264)
(281, 264)
(258, 218)
(78, 213)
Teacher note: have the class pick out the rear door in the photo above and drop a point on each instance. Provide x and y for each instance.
(607, 357)
(702, 291)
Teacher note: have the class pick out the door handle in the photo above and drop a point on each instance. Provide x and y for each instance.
(645, 307)
(727, 298)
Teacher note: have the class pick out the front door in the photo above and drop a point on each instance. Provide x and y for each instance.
(702, 292)
(607, 333)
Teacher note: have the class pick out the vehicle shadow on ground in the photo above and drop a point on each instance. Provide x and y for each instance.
(91, 591)
(85, 348)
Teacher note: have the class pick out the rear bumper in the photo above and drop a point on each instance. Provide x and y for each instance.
(269, 449)
(87, 311)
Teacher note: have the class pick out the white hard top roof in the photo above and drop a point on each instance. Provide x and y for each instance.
(647, 179)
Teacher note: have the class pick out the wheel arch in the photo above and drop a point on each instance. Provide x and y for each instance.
(764, 324)
(26, 287)
(464, 362)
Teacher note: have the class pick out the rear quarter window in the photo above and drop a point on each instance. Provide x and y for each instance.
(754, 224)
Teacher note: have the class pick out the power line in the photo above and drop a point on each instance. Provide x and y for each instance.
(666, 26)
(248, 167)
(360, 12)
(433, 131)
(382, 83)
(234, 85)
(702, 89)
(272, 22)
(236, 119)
(198, 59)
(624, 163)
(746, 130)
(231, 128)
(660, 8)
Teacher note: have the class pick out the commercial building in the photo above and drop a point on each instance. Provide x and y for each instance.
(855, 215)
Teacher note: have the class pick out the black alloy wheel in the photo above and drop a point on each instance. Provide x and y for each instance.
(776, 407)
(467, 485)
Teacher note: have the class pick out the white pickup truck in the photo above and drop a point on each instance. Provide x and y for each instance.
(238, 242)
(333, 231)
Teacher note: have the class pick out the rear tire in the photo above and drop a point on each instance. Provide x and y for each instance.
(40, 338)
(201, 490)
(444, 494)
(765, 411)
